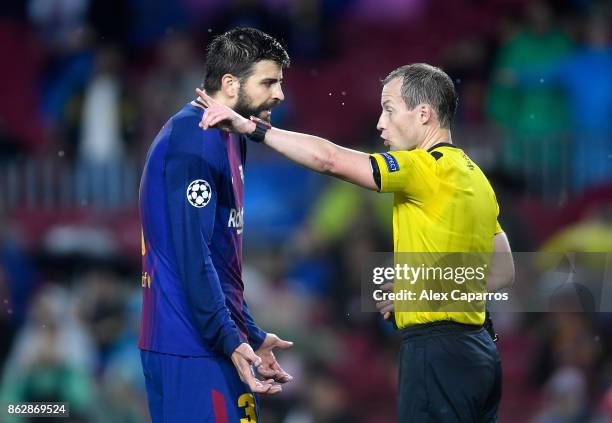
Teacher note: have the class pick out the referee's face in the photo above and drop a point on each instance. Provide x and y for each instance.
(397, 124)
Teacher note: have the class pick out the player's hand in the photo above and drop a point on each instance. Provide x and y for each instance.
(244, 358)
(386, 307)
(269, 367)
(220, 116)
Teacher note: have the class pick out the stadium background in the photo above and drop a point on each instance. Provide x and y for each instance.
(86, 84)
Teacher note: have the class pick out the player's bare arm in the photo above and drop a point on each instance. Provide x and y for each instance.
(310, 151)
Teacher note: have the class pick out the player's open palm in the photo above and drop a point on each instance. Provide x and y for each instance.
(244, 358)
(220, 116)
(269, 367)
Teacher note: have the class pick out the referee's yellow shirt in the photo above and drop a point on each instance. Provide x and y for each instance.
(442, 203)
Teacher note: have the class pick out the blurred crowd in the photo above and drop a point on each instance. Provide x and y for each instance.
(86, 85)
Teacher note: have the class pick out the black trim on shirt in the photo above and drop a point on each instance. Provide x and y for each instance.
(442, 144)
(375, 171)
(436, 155)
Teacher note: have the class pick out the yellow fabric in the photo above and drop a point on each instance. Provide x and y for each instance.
(440, 205)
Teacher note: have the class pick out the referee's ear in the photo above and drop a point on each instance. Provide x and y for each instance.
(426, 113)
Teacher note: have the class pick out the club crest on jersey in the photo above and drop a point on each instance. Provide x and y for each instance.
(199, 193)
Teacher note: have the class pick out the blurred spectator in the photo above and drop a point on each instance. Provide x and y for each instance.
(62, 28)
(122, 384)
(590, 235)
(52, 358)
(169, 85)
(566, 398)
(17, 272)
(21, 122)
(102, 308)
(586, 78)
(105, 125)
(533, 119)
(564, 339)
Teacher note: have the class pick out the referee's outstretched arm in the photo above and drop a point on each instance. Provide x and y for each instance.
(310, 151)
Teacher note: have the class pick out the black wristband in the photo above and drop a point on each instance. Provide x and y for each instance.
(261, 127)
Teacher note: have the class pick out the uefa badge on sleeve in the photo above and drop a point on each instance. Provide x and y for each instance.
(199, 193)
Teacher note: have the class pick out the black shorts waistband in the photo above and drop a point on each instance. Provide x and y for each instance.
(436, 328)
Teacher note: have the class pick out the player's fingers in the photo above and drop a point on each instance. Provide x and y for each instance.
(266, 371)
(263, 386)
(247, 376)
(283, 345)
(280, 374)
(386, 315)
(251, 358)
(275, 389)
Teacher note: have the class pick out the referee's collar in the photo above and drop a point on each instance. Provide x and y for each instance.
(441, 144)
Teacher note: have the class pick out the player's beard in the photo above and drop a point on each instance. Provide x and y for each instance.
(244, 106)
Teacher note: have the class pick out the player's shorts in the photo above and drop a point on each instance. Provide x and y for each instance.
(196, 389)
(448, 372)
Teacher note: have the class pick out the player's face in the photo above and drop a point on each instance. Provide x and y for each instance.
(398, 125)
(261, 91)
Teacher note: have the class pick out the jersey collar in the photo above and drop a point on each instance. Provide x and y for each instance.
(441, 144)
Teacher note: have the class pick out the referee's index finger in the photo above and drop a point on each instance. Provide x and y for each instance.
(204, 97)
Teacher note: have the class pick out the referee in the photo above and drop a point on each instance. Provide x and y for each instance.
(449, 367)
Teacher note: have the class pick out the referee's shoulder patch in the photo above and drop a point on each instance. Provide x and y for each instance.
(391, 161)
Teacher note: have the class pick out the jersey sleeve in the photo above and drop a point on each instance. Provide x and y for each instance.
(192, 199)
(410, 172)
(256, 335)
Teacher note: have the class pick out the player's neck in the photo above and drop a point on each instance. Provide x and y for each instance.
(440, 135)
(223, 99)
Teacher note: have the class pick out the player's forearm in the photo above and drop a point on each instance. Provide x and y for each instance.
(255, 334)
(211, 316)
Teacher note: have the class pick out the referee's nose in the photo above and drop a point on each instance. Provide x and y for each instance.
(380, 125)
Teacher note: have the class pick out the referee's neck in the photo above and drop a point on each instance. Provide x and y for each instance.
(438, 136)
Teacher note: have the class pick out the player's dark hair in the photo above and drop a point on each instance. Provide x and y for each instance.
(236, 51)
(423, 83)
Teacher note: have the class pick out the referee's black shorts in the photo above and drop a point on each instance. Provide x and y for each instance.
(448, 372)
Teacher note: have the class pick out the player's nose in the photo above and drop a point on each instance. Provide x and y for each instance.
(278, 94)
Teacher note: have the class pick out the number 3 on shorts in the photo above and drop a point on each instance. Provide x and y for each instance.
(247, 402)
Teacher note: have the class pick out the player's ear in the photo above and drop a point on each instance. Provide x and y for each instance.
(230, 85)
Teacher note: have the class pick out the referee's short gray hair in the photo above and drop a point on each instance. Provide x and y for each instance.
(423, 83)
